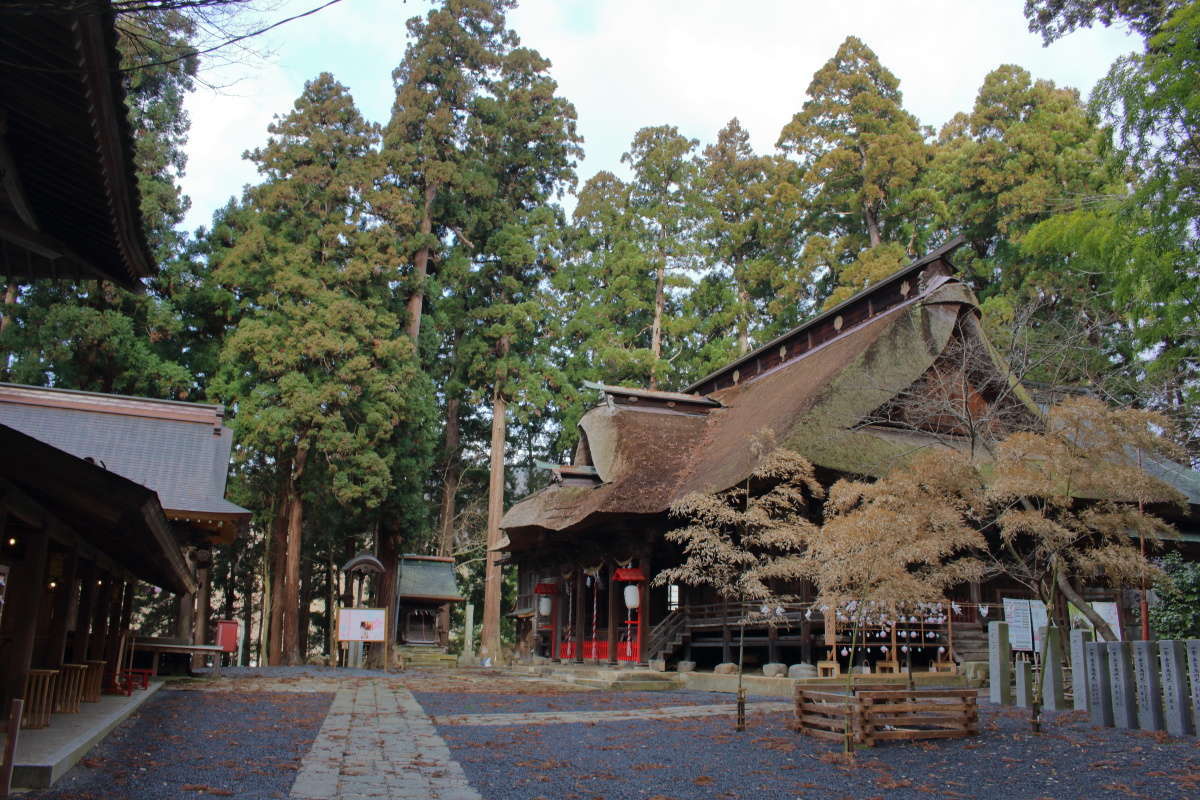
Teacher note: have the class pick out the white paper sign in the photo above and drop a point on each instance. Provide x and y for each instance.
(362, 625)
(1107, 611)
(1020, 624)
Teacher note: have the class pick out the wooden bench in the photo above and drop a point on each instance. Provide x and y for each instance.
(93, 680)
(70, 688)
(39, 698)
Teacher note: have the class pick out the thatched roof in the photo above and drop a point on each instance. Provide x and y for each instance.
(810, 391)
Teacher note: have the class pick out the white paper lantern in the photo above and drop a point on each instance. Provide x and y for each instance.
(845, 651)
(983, 610)
(544, 605)
(941, 649)
(904, 649)
(632, 596)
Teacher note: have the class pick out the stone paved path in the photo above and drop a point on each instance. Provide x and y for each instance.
(560, 717)
(378, 743)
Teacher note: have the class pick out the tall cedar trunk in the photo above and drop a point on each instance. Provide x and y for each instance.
(247, 616)
(871, 218)
(290, 596)
(274, 590)
(743, 321)
(451, 476)
(10, 298)
(306, 599)
(660, 301)
(421, 268)
(490, 632)
(385, 594)
(331, 596)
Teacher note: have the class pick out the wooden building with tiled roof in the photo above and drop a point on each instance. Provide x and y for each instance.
(97, 492)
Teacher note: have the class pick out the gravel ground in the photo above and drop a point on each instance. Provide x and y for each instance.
(706, 758)
(294, 672)
(438, 703)
(192, 744)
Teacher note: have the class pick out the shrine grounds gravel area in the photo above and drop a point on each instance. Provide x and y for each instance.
(470, 702)
(697, 758)
(244, 736)
(195, 744)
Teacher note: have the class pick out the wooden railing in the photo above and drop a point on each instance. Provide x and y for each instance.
(661, 635)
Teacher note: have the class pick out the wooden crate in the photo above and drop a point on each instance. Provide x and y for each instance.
(906, 715)
(827, 715)
(883, 713)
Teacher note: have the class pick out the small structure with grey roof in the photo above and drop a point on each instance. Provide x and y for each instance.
(425, 587)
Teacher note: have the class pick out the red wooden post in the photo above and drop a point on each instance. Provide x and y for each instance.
(555, 606)
(580, 591)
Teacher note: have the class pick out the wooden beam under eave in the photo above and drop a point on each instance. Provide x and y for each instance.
(110, 132)
(45, 250)
(10, 179)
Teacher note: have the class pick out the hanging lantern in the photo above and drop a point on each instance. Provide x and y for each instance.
(941, 650)
(983, 610)
(883, 648)
(845, 651)
(632, 596)
(544, 605)
(904, 649)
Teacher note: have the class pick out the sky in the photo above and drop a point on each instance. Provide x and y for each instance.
(627, 64)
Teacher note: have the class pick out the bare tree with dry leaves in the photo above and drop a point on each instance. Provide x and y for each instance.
(1071, 501)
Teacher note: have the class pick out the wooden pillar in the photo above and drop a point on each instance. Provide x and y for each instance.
(127, 605)
(25, 607)
(83, 616)
(644, 619)
(614, 614)
(555, 622)
(203, 607)
(185, 611)
(99, 639)
(772, 644)
(580, 592)
(112, 644)
(56, 645)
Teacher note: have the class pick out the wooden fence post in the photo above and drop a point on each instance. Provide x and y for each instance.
(10, 747)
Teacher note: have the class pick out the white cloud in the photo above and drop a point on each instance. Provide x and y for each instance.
(626, 64)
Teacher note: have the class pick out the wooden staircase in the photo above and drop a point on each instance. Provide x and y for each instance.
(417, 657)
(671, 633)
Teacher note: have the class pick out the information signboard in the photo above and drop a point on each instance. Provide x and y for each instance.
(362, 624)
(1025, 619)
(1020, 624)
(1107, 611)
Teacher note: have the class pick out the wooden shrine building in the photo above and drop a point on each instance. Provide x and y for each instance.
(97, 492)
(425, 588)
(855, 390)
